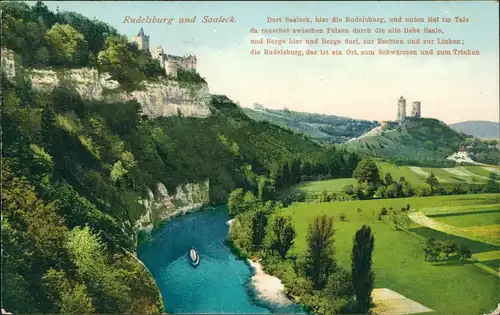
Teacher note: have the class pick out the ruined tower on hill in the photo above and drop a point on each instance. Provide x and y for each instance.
(415, 111)
(142, 41)
(401, 109)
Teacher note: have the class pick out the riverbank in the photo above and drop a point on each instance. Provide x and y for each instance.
(268, 288)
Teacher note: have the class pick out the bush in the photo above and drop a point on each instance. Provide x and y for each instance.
(383, 211)
(342, 217)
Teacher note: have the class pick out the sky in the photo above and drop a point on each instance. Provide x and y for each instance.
(450, 88)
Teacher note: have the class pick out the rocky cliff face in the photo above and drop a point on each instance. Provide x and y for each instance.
(158, 99)
(161, 205)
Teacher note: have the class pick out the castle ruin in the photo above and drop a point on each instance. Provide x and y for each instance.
(401, 109)
(170, 63)
(415, 112)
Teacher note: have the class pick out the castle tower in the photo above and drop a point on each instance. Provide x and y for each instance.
(171, 68)
(190, 62)
(142, 41)
(157, 54)
(415, 111)
(401, 109)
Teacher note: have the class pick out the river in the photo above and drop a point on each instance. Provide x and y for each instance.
(220, 284)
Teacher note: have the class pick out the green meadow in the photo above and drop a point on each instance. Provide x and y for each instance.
(480, 218)
(416, 176)
(457, 287)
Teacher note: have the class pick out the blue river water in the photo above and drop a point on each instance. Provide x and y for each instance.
(220, 284)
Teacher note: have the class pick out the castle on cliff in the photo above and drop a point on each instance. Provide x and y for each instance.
(415, 111)
(170, 63)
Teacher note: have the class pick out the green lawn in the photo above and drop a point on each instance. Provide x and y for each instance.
(474, 246)
(471, 219)
(479, 170)
(399, 259)
(402, 171)
(331, 185)
(487, 203)
(415, 179)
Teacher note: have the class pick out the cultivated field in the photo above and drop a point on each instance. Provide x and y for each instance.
(415, 175)
(458, 287)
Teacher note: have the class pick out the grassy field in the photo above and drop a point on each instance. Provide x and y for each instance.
(494, 264)
(456, 288)
(413, 178)
(416, 176)
(480, 218)
(481, 170)
(328, 185)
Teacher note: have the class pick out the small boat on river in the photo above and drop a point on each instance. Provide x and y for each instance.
(194, 257)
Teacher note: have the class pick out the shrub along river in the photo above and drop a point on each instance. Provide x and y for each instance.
(220, 284)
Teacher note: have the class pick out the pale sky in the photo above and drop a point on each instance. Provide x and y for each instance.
(451, 88)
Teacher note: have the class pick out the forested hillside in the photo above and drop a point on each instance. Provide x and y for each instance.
(322, 128)
(479, 129)
(73, 169)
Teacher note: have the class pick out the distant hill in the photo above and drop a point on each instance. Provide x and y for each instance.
(423, 140)
(322, 128)
(478, 128)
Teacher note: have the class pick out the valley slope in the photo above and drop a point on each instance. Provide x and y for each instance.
(478, 128)
(322, 128)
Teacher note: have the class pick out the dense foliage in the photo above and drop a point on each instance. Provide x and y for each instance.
(484, 151)
(44, 39)
(51, 266)
(437, 251)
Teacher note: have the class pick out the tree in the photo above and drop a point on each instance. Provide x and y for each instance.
(362, 274)
(265, 189)
(65, 99)
(295, 171)
(367, 171)
(339, 284)
(119, 59)
(381, 192)
(67, 44)
(48, 125)
(319, 259)
(287, 175)
(240, 201)
(432, 181)
(388, 179)
(283, 235)
(259, 225)
(492, 186)
(76, 301)
(407, 190)
(399, 219)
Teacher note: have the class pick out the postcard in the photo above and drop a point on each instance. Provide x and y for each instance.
(250, 157)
